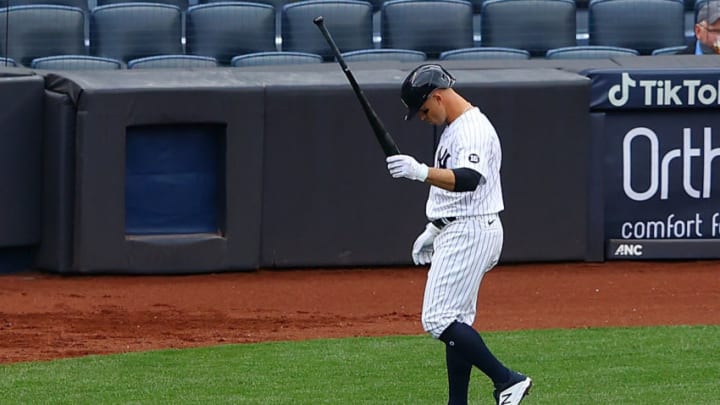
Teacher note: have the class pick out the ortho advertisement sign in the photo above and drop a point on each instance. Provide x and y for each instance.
(661, 164)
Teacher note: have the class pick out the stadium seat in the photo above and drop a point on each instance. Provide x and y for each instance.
(225, 30)
(431, 27)
(275, 58)
(589, 52)
(127, 31)
(277, 4)
(533, 25)
(670, 50)
(7, 62)
(41, 30)
(398, 55)
(75, 62)
(485, 53)
(349, 23)
(644, 25)
(84, 5)
(173, 62)
(81, 4)
(182, 4)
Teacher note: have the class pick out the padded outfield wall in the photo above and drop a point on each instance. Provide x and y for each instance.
(235, 169)
(21, 108)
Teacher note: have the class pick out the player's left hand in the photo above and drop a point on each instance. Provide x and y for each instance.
(406, 166)
(423, 247)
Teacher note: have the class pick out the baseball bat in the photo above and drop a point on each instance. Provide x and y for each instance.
(383, 136)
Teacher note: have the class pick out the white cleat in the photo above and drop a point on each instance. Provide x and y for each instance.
(515, 393)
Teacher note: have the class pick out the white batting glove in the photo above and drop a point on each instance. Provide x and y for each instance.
(423, 247)
(406, 166)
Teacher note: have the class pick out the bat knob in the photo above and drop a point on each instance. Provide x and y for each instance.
(319, 20)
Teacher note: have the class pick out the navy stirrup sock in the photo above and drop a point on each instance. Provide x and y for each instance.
(468, 344)
(458, 370)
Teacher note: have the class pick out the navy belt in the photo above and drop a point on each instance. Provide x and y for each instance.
(440, 223)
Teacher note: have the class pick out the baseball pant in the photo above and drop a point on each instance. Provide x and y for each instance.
(464, 251)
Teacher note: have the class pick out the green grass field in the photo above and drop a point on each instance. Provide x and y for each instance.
(661, 365)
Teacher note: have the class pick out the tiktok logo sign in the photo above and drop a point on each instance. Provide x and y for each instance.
(664, 92)
(662, 173)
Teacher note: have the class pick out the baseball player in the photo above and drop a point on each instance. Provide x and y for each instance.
(464, 235)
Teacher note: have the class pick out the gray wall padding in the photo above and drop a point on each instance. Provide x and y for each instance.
(107, 103)
(21, 106)
(307, 184)
(306, 180)
(55, 251)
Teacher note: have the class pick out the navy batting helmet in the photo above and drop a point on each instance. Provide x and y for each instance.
(420, 83)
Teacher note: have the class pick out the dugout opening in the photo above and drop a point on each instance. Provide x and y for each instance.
(175, 179)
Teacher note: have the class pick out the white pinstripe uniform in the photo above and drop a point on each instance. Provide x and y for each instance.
(469, 246)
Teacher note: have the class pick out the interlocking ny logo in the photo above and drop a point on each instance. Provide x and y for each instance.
(443, 157)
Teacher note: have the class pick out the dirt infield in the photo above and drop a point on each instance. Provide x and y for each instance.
(45, 316)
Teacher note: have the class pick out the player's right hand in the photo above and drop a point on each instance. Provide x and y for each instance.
(406, 166)
(423, 247)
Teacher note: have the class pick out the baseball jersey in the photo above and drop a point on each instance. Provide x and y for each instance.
(470, 141)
